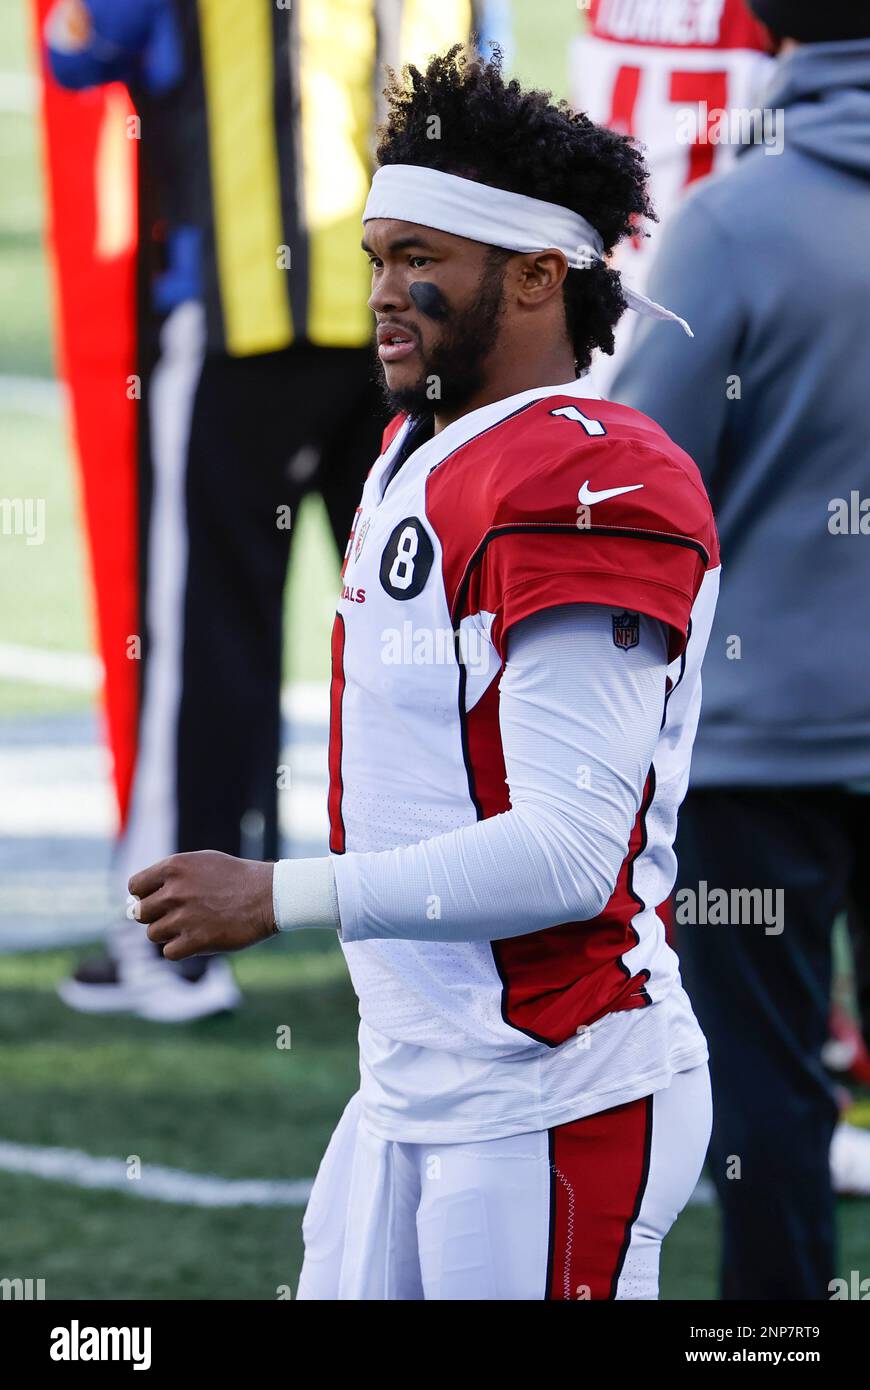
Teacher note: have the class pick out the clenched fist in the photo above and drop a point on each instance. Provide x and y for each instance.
(197, 904)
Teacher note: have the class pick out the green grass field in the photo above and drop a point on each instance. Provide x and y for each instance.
(217, 1097)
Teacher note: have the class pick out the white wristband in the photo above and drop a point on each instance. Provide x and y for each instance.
(304, 894)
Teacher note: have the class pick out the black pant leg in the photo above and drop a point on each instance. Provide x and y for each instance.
(353, 441)
(229, 718)
(252, 417)
(762, 999)
(859, 907)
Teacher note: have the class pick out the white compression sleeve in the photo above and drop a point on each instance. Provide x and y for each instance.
(579, 721)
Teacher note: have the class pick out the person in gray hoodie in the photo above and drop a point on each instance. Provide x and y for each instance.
(770, 264)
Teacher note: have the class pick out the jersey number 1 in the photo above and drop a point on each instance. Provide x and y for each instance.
(570, 412)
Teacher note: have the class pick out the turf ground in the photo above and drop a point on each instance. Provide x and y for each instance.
(219, 1097)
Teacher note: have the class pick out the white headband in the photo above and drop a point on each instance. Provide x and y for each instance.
(413, 193)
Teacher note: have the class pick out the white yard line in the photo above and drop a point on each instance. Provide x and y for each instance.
(78, 1169)
(32, 395)
(306, 702)
(66, 670)
(19, 93)
(704, 1194)
(301, 702)
(65, 792)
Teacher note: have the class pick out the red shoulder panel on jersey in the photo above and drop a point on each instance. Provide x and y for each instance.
(572, 501)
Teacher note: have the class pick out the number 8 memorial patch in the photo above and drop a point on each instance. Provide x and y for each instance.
(407, 559)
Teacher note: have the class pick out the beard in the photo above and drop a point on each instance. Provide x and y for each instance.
(453, 369)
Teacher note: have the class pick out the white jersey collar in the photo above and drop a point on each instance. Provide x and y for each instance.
(433, 451)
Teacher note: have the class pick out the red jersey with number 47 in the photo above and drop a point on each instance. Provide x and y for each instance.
(681, 76)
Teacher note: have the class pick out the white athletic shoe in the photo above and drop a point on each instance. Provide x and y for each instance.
(850, 1161)
(111, 982)
(131, 976)
(99, 986)
(174, 997)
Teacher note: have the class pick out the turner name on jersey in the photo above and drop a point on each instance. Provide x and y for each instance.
(544, 499)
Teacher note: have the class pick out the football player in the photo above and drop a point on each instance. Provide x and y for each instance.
(526, 598)
(683, 77)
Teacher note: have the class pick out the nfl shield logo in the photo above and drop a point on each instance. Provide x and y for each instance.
(626, 630)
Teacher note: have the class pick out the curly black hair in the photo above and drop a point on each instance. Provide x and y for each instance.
(460, 116)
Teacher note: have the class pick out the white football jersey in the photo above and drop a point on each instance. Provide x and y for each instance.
(479, 528)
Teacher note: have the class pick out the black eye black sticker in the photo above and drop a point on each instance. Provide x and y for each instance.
(407, 559)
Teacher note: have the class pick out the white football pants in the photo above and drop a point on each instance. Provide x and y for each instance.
(575, 1212)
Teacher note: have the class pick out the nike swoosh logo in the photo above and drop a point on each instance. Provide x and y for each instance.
(587, 497)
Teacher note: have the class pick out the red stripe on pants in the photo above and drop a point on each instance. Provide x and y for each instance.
(598, 1172)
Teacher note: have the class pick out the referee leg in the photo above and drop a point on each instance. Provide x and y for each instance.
(228, 738)
(256, 421)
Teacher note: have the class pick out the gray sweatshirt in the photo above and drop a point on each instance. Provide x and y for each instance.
(770, 264)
